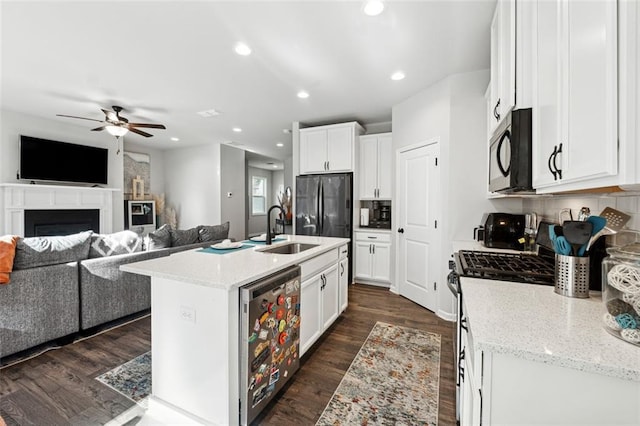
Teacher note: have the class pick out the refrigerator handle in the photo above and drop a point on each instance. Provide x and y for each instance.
(318, 218)
(322, 208)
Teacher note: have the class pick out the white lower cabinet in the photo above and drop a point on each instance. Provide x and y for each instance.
(320, 297)
(506, 389)
(373, 256)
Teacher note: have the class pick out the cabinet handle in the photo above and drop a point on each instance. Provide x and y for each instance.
(374, 249)
(373, 238)
(341, 269)
(551, 158)
(369, 248)
(559, 151)
(496, 114)
(400, 230)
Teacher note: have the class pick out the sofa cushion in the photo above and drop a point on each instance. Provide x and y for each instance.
(214, 232)
(41, 251)
(183, 237)
(160, 238)
(7, 254)
(123, 242)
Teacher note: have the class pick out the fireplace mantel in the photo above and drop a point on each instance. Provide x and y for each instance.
(15, 198)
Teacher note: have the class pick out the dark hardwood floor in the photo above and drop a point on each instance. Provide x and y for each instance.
(59, 386)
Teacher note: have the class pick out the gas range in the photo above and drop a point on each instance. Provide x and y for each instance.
(516, 267)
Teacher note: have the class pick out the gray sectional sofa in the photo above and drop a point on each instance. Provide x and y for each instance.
(61, 286)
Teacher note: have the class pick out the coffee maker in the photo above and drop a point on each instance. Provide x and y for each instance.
(380, 216)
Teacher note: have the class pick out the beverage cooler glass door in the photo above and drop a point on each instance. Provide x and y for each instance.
(307, 205)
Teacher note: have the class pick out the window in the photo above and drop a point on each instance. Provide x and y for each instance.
(258, 195)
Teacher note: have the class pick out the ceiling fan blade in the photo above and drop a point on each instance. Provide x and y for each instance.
(97, 129)
(147, 125)
(140, 132)
(81, 118)
(110, 115)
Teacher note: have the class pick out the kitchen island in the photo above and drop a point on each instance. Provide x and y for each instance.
(535, 357)
(195, 320)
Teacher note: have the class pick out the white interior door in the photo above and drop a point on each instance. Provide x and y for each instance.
(418, 237)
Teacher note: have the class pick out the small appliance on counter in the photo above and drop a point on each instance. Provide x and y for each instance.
(504, 231)
(379, 214)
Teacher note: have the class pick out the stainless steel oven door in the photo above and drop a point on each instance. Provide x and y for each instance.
(453, 282)
(500, 158)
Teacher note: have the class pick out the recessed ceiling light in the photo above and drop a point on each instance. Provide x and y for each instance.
(242, 49)
(275, 166)
(287, 131)
(398, 75)
(303, 95)
(279, 145)
(237, 129)
(175, 139)
(373, 7)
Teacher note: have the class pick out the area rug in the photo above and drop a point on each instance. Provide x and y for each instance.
(394, 379)
(132, 379)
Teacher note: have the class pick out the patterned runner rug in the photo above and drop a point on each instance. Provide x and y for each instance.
(132, 379)
(394, 379)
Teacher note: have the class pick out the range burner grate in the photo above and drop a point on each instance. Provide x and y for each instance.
(520, 267)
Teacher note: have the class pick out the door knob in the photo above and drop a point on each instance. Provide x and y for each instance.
(401, 230)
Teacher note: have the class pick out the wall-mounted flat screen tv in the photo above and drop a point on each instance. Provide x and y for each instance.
(47, 160)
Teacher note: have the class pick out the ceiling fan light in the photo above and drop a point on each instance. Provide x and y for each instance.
(116, 131)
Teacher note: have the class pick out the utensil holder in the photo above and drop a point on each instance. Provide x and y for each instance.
(572, 276)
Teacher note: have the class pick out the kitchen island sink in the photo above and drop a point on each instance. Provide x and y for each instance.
(288, 248)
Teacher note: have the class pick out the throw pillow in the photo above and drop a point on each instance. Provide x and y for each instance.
(40, 251)
(123, 242)
(160, 238)
(183, 237)
(213, 233)
(7, 253)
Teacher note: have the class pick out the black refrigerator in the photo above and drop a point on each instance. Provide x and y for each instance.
(324, 206)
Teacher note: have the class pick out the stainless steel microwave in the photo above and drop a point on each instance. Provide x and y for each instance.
(510, 154)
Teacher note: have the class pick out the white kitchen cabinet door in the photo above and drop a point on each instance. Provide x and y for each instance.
(311, 324)
(313, 151)
(340, 149)
(381, 264)
(385, 155)
(575, 139)
(368, 168)
(363, 259)
(330, 296)
(343, 273)
(503, 61)
(374, 170)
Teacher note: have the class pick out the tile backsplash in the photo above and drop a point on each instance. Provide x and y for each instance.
(550, 207)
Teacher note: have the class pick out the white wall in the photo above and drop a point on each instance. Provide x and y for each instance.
(232, 179)
(192, 184)
(64, 130)
(452, 111)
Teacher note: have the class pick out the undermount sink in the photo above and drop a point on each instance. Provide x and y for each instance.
(289, 248)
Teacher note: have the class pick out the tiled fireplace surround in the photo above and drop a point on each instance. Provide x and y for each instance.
(15, 198)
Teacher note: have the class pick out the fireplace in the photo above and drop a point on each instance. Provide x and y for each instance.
(40, 223)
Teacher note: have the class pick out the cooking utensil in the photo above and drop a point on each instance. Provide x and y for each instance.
(564, 212)
(584, 213)
(616, 220)
(577, 234)
(598, 223)
(560, 243)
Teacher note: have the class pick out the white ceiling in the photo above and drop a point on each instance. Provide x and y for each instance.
(164, 61)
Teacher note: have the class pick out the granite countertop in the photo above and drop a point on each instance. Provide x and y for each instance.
(533, 322)
(233, 268)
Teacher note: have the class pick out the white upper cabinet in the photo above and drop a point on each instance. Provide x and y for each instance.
(375, 166)
(503, 62)
(326, 149)
(575, 139)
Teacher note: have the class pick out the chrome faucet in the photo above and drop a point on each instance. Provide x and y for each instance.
(268, 242)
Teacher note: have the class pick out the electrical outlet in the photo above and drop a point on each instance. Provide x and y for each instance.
(187, 313)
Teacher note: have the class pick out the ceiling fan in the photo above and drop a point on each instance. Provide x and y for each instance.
(117, 125)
